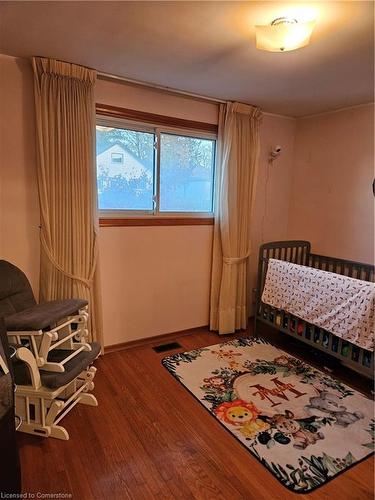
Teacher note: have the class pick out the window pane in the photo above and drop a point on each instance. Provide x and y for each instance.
(186, 174)
(125, 169)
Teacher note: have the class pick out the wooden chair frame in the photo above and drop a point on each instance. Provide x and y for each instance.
(62, 336)
(41, 409)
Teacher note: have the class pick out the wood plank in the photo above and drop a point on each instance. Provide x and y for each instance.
(154, 119)
(149, 438)
(155, 221)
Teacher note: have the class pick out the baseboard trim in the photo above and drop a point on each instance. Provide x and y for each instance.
(152, 340)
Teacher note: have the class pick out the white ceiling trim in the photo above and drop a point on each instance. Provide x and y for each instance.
(347, 108)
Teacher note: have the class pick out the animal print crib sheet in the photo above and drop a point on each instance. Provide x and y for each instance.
(341, 305)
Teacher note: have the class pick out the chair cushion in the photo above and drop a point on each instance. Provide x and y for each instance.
(15, 290)
(44, 315)
(54, 380)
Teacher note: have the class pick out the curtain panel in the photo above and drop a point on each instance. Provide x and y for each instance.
(236, 175)
(65, 126)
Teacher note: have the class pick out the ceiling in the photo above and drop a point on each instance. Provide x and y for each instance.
(207, 47)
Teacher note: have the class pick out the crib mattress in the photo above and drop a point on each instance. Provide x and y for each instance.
(341, 305)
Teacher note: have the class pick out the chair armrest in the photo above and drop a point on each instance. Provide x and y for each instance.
(42, 316)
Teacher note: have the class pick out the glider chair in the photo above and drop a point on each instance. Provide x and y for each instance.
(52, 362)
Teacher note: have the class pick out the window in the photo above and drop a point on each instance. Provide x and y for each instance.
(117, 158)
(127, 184)
(147, 170)
(186, 173)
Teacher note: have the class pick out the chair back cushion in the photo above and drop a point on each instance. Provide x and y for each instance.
(15, 290)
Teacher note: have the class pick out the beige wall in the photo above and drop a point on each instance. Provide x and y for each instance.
(154, 101)
(332, 204)
(157, 279)
(273, 188)
(19, 209)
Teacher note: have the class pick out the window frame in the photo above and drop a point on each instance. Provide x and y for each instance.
(157, 130)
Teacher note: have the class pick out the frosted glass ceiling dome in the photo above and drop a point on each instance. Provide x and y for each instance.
(283, 34)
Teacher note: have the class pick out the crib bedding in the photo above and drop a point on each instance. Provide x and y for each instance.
(341, 305)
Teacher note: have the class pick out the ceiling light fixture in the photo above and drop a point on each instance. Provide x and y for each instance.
(283, 34)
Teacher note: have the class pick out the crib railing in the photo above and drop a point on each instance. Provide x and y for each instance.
(299, 252)
(349, 268)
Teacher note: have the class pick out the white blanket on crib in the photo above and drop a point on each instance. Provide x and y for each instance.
(341, 305)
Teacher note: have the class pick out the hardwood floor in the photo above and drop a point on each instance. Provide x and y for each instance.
(149, 438)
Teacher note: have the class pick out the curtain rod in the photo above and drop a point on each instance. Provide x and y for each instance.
(108, 76)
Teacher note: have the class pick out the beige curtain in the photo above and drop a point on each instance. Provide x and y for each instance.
(238, 151)
(65, 124)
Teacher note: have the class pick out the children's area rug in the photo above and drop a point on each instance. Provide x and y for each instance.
(300, 423)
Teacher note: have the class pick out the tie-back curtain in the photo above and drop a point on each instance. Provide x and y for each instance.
(65, 124)
(238, 151)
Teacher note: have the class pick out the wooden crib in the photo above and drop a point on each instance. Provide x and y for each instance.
(299, 252)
